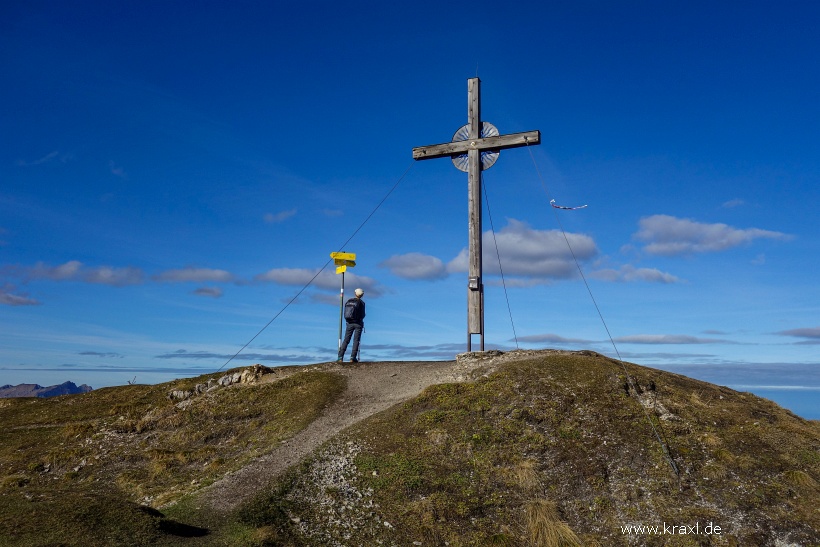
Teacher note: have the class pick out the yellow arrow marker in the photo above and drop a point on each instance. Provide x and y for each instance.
(339, 262)
(341, 269)
(343, 256)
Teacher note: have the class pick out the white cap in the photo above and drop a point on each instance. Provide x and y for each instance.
(359, 292)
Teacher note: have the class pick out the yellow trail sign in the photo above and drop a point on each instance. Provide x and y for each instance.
(343, 256)
(343, 261)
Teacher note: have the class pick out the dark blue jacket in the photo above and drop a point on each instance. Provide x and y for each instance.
(355, 311)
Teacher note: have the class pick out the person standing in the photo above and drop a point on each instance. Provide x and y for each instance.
(354, 316)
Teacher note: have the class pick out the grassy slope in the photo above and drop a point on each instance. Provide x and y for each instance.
(556, 451)
(546, 450)
(86, 469)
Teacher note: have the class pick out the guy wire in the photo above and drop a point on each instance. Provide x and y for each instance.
(498, 255)
(629, 379)
(312, 279)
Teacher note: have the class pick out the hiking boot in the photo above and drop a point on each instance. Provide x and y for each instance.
(354, 360)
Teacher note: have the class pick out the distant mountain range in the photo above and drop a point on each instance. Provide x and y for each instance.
(35, 390)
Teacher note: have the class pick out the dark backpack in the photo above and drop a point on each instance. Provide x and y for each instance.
(353, 310)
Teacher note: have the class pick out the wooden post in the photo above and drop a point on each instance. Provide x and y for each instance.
(475, 286)
(473, 146)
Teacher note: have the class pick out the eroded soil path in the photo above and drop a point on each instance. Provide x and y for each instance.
(371, 388)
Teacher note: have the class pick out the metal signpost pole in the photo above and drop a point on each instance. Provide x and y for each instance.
(343, 261)
(341, 309)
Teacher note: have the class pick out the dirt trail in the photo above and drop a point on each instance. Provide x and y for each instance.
(371, 388)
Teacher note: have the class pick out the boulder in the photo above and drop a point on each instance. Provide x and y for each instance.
(248, 376)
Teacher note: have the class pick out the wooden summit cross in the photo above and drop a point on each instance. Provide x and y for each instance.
(475, 147)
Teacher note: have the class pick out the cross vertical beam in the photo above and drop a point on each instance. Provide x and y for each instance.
(473, 146)
(475, 288)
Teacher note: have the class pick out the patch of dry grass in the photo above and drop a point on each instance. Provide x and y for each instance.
(524, 476)
(544, 527)
(134, 446)
(800, 479)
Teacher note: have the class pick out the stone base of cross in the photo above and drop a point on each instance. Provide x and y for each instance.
(480, 143)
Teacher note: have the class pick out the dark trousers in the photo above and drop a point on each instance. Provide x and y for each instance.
(354, 330)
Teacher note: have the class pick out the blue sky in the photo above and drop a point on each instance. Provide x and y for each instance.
(172, 175)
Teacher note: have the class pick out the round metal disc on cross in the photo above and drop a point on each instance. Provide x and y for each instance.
(488, 157)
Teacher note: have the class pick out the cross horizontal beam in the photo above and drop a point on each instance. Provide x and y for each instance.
(513, 140)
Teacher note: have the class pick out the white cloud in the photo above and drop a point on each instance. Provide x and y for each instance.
(8, 298)
(51, 156)
(195, 275)
(630, 273)
(415, 266)
(116, 170)
(668, 339)
(288, 276)
(552, 339)
(737, 202)
(530, 253)
(117, 277)
(281, 216)
(813, 332)
(209, 355)
(64, 272)
(519, 282)
(810, 335)
(670, 236)
(104, 354)
(74, 270)
(326, 298)
(327, 280)
(213, 292)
